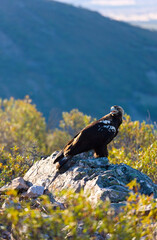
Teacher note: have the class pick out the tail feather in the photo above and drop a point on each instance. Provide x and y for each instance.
(58, 157)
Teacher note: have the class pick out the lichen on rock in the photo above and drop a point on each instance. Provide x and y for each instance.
(98, 178)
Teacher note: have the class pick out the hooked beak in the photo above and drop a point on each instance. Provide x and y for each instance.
(113, 110)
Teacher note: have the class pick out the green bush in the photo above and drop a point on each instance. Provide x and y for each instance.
(22, 137)
(70, 125)
(15, 164)
(80, 220)
(56, 140)
(136, 146)
(147, 161)
(21, 125)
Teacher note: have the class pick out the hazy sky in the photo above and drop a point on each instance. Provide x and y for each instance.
(127, 10)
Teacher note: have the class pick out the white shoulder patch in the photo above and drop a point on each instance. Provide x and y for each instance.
(106, 121)
(109, 127)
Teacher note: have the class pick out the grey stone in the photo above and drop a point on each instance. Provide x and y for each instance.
(98, 178)
(8, 203)
(34, 191)
(16, 184)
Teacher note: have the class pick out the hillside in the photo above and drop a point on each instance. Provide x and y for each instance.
(66, 57)
(152, 24)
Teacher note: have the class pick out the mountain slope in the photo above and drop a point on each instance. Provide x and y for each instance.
(66, 57)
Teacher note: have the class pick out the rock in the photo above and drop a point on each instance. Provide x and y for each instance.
(97, 177)
(16, 184)
(34, 191)
(6, 235)
(117, 206)
(10, 203)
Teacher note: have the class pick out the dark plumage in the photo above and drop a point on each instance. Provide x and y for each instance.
(95, 137)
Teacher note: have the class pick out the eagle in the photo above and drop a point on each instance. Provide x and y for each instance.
(96, 136)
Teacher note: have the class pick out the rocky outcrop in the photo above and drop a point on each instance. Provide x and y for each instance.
(98, 178)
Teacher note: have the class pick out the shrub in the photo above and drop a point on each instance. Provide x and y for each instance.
(135, 145)
(74, 121)
(22, 136)
(21, 124)
(15, 164)
(70, 125)
(80, 220)
(147, 161)
(56, 140)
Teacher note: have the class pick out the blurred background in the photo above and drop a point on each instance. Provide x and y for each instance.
(87, 55)
(139, 12)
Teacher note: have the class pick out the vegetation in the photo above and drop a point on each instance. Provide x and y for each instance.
(70, 125)
(80, 220)
(136, 145)
(24, 138)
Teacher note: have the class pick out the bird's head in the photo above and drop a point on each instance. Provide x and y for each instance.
(116, 110)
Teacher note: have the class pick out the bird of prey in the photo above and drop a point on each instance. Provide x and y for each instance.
(96, 136)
